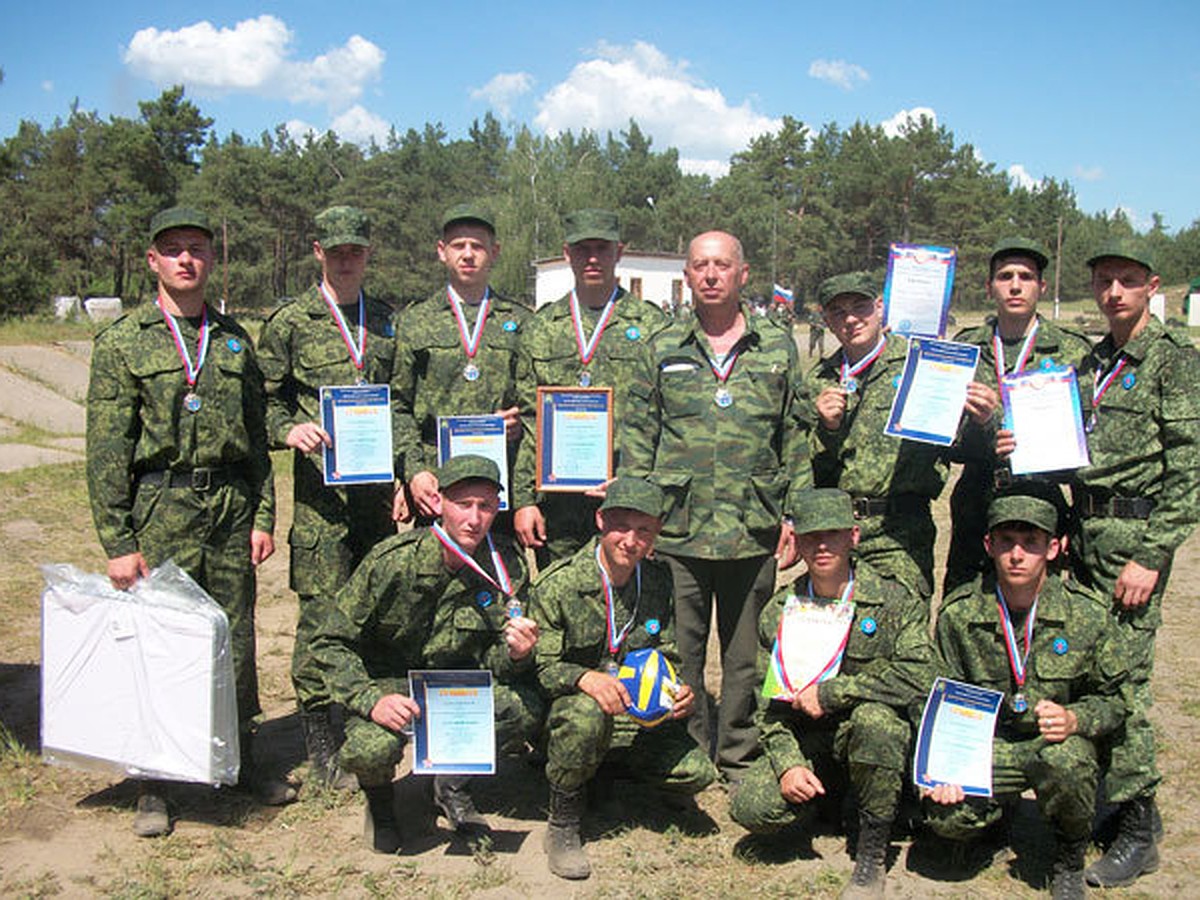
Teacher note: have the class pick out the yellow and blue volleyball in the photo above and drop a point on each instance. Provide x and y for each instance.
(651, 681)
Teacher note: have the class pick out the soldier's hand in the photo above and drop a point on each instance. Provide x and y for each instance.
(123, 571)
(512, 423)
(944, 794)
(395, 712)
(799, 785)
(807, 702)
(521, 635)
(831, 406)
(600, 491)
(424, 489)
(262, 545)
(685, 699)
(607, 691)
(1134, 585)
(981, 402)
(1006, 443)
(786, 550)
(530, 526)
(1056, 723)
(401, 511)
(308, 437)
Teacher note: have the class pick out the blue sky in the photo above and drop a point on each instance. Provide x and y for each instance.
(1094, 93)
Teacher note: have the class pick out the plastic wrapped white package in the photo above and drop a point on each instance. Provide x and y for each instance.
(137, 682)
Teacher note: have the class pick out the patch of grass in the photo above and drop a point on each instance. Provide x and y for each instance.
(19, 768)
(1190, 708)
(43, 884)
(44, 330)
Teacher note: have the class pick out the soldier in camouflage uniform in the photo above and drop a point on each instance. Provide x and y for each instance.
(1135, 504)
(455, 352)
(892, 481)
(177, 459)
(715, 419)
(1069, 692)
(593, 608)
(1026, 340)
(592, 337)
(855, 726)
(331, 335)
(444, 597)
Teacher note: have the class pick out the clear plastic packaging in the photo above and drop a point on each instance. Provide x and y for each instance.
(137, 682)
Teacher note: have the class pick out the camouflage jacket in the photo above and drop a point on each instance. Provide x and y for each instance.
(729, 473)
(568, 603)
(888, 660)
(549, 356)
(428, 380)
(1146, 441)
(858, 457)
(136, 421)
(403, 609)
(1077, 658)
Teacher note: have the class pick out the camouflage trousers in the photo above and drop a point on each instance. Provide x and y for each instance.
(207, 534)
(372, 752)
(899, 546)
(968, 524)
(868, 748)
(1063, 775)
(582, 736)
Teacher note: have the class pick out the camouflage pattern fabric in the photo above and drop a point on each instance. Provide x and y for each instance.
(865, 736)
(137, 425)
(547, 356)
(301, 350)
(1053, 346)
(864, 462)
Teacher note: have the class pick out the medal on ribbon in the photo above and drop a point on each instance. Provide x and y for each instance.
(722, 370)
(502, 582)
(469, 338)
(357, 349)
(850, 373)
(191, 400)
(1022, 355)
(587, 346)
(1100, 387)
(613, 637)
(1017, 661)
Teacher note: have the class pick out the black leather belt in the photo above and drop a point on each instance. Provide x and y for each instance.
(1091, 506)
(865, 507)
(200, 479)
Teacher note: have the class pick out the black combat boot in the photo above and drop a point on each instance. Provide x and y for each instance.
(870, 863)
(452, 798)
(321, 743)
(268, 789)
(564, 850)
(379, 826)
(1067, 880)
(1133, 853)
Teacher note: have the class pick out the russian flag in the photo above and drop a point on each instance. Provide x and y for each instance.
(782, 296)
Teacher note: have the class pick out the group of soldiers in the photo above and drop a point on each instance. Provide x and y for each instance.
(731, 464)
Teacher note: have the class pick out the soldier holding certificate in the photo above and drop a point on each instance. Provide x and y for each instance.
(840, 709)
(445, 597)
(333, 334)
(592, 337)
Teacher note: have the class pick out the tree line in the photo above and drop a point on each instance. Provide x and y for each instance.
(76, 199)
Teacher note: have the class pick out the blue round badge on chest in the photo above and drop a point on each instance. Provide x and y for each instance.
(896, 382)
(632, 333)
(484, 599)
(234, 344)
(652, 626)
(869, 626)
(389, 330)
(1047, 363)
(1060, 646)
(1129, 381)
(510, 325)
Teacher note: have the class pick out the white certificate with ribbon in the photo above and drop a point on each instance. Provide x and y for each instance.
(916, 293)
(455, 734)
(809, 645)
(359, 421)
(1043, 411)
(478, 435)
(954, 742)
(933, 390)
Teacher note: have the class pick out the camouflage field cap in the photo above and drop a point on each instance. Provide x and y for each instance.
(469, 212)
(1124, 248)
(179, 217)
(858, 283)
(636, 494)
(1018, 246)
(467, 467)
(822, 509)
(592, 224)
(1026, 509)
(340, 225)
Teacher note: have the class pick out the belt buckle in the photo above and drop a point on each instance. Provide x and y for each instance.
(1123, 508)
(201, 479)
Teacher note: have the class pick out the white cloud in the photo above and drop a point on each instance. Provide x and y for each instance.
(640, 82)
(298, 130)
(359, 126)
(48, 86)
(1022, 179)
(503, 89)
(899, 124)
(838, 72)
(713, 168)
(254, 57)
(1089, 173)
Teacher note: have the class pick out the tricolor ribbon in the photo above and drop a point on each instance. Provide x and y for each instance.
(501, 582)
(470, 339)
(191, 372)
(1100, 385)
(724, 368)
(1017, 661)
(358, 352)
(834, 662)
(1022, 356)
(613, 638)
(851, 371)
(587, 348)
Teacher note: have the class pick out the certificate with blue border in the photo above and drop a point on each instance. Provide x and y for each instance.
(916, 293)
(574, 438)
(455, 733)
(933, 389)
(479, 435)
(954, 742)
(1043, 411)
(358, 419)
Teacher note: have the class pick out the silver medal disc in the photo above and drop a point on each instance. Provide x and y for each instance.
(722, 398)
(585, 378)
(471, 372)
(192, 402)
(851, 385)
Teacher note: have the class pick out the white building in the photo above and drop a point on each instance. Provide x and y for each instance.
(656, 277)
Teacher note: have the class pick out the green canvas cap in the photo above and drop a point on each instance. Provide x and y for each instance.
(469, 212)
(636, 494)
(592, 224)
(1018, 246)
(1026, 509)
(859, 283)
(467, 467)
(340, 225)
(1124, 248)
(822, 509)
(179, 217)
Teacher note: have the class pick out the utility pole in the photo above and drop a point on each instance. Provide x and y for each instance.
(1057, 266)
